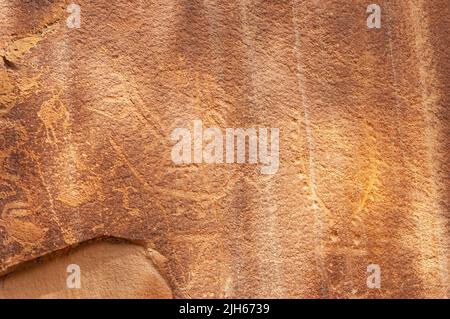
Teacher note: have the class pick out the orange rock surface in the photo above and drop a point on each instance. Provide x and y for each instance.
(86, 116)
(108, 269)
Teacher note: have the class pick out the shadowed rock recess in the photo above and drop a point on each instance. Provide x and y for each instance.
(86, 116)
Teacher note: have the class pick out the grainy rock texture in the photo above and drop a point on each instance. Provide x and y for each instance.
(86, 117)
(107, 269)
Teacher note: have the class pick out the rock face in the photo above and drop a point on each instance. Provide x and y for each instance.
(86, 117)
(106, 269)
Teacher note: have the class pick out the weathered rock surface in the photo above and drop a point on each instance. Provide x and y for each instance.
(107, 269)
(86, 116)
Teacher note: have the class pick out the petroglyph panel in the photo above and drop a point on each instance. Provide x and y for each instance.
(86, 116)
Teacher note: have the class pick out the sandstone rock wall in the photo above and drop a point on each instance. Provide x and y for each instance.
(86, 116)
(107, 268)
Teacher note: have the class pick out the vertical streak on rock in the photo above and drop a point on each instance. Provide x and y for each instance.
(431, 97)
(438, 25)
(428, 262)
(405, 237)
(194, 44)
(244, 278)
(266, 232)
(312, 175)
(214, 16)
(36, 21)
(65, 162)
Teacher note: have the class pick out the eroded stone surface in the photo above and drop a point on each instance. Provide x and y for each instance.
(86, 116)
(108, 268)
